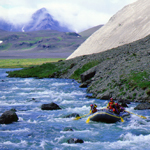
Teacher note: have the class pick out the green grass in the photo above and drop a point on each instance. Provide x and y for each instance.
(59, 38)
(140, 79)
(136, 80)
(22, 63)
(45, 70)
(5, 46)
(84, 68)
(33, 41)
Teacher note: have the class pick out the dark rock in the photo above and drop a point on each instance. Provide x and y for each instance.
(105, 97)
(83, 85)
(72, 115)
(72, 65)
(8, 117)
(75, 140)
(90, 96)
(124, 104)
(124, 101)
(51, 106)
(88, 74)
(60, 60)
(142, 106)
(68, 129)
(14, 110)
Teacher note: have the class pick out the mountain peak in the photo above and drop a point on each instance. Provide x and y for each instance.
(42, 20)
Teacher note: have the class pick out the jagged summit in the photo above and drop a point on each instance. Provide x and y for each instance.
(42, 20)
(129, 24)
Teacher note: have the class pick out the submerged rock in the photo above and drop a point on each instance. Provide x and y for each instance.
(72, 115)
(51, 106)
(8, 117)
(75, 140)
(68, 129)
(142, 106)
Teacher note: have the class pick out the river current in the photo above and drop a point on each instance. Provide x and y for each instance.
(39, 129)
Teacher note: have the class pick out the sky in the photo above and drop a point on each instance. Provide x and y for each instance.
(78, 15)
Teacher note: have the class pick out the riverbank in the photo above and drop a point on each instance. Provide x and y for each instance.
(22, 63)
(121, 73)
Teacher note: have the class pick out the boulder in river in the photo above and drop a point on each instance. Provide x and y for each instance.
(75, 140)
(50, 106)
(142, 106)
(72, 115)
(68, 129)
(8, 117)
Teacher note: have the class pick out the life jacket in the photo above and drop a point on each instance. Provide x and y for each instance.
(119, 107)
(110, 105)
(93, 109)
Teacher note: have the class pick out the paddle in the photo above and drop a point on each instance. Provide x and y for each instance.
(136, 115)
(88, 120)
(77, 118)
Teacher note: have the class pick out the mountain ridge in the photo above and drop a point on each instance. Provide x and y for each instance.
(129, 24)
(38, 44)
(40, 20)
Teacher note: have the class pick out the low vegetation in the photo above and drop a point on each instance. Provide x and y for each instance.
(22, 63)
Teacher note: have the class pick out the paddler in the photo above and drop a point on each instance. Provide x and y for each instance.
(93, 108)
(112, 106)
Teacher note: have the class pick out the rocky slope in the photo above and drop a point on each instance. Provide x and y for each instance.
(121, 73)
(129, 24)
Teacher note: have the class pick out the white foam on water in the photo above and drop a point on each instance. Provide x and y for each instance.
(58, 139)
(3, 97)
(15, 131)
(22, 143)
(67, 102)
(5, 92)
(83, 109)
(136, 123)
(28, 80)
(60, 120)
(43, 143)
(59, 84)
(82, 132)
(30, 121)
(128, 141)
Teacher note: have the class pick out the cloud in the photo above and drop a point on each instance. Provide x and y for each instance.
(77, 14)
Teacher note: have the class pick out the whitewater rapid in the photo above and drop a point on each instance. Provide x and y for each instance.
(40, 129)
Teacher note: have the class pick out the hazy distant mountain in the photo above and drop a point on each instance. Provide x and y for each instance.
(5, 26)
(41, 20)
(129, 24)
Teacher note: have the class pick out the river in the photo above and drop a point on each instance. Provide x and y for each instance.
(39, 129)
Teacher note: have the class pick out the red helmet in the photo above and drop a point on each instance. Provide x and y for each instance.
(111, 98)
(91, 105)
